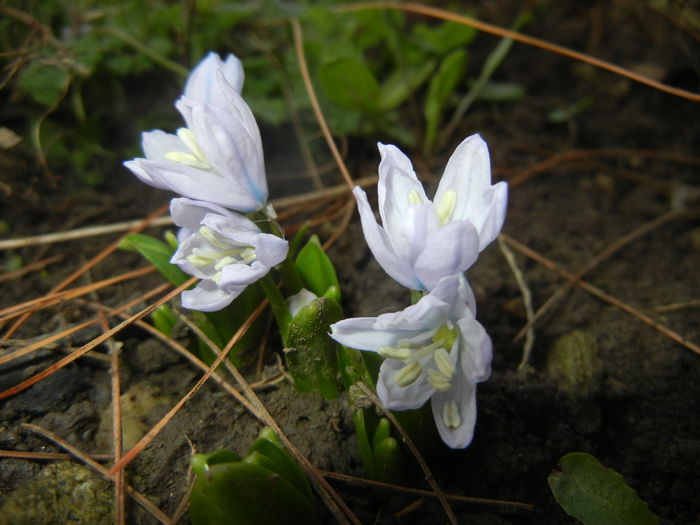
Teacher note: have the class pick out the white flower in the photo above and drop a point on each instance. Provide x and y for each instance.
(434, 349)
(217, 157)
(421, 241)
(202, 84)
(226, 250)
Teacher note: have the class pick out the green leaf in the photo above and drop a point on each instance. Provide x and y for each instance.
(353, 368)
(201, 462)
(45, 84)
(441, 87)
(222, 325)
(316, 268)
(502, 91)
(389, 461)
(401, 83)
(360, 417)
(278, 460)
(245, 493)
(164, 319)
(158, 253)
(311, 355)
(597, 495)
(349, 83)
(382, 432)
(445, 37)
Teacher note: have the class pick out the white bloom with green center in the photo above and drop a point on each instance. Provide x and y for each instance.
(217, 157)
(434, 349)
(421, 241)
(225, 250)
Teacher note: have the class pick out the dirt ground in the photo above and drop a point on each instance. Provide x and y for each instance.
(631, 163)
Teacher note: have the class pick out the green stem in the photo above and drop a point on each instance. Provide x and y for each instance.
(278, 305)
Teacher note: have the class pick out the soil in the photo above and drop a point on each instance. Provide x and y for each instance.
(637, 412)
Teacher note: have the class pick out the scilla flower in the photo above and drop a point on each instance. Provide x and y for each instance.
(421, 241)
(202, 84)
(435, 350)
(216, 158)
(226, 250)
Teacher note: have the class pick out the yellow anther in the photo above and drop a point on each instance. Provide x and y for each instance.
(408, 374)
(394, 353)
(438, 381)
(211, 236)
(450, 415)
(196, 158)
(446, 207)
(444, 363)
(183, 158)
(414, 197)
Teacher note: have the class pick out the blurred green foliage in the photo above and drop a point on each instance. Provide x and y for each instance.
(85, 77)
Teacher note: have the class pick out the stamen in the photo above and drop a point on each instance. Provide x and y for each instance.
(408, 374)
(198, 260)
(248, 255)
(419, 354)
(211, 236)
(447, 206)
(450, 415)
(438, 381)
(444, 363)
(394, 353)
(414, 197)
(186, 135)
(184, 158)
(224, 261)
(195, 159)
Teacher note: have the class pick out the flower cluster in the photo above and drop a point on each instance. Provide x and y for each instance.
(216, 164)
(434, 349)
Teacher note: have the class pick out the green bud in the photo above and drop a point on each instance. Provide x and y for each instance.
(312, 358)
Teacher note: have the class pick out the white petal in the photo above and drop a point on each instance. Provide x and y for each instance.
(232, 226)
(380, 245)
(185, 249)
(468, 173)
(197, 184)
(456, 292)
(234, 276)
(475, 350)
(189, 213)
(395, 397)
(270, 249)
(207, 297)
(463, 395)
(397, 181)
(449, 250)
(409, 237)
(157, 143)
(428, 314)
(491, 221)
(360, 333)
(232, 151)
(202, 84)
(136, 167)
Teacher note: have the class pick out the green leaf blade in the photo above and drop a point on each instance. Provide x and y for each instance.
(597, 495)
(158, 253)
(349, 83)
